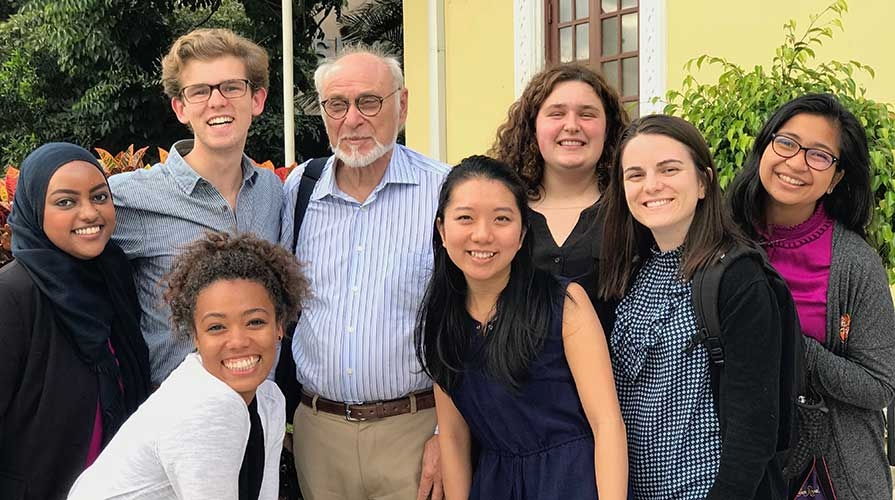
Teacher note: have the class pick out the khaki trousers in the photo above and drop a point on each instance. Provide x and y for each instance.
(377, 459)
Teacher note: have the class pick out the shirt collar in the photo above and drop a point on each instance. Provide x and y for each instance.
(399, 171)
(187, 178)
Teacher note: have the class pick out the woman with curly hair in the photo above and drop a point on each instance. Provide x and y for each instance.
(804, 193)
(560, 137)
(214, 429)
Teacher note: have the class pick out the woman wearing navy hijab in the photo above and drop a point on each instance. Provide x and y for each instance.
(73, 364)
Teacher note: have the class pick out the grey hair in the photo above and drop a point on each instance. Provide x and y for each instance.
(325, 68)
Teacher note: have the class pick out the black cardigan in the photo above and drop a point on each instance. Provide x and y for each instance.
(48, 397)
(749, 386)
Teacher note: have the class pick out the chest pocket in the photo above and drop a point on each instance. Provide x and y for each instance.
(408, 276)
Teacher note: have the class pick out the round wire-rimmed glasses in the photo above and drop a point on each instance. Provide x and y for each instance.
(368, 105)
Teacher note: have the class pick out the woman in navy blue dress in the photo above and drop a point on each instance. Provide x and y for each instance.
(519, 358)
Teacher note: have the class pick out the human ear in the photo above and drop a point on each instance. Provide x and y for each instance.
(178, 106)
(439, 226)
(837, 177)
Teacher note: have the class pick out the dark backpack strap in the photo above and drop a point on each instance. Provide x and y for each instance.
(890, 427)
(309, 179)
(285, 372)
(706, 285)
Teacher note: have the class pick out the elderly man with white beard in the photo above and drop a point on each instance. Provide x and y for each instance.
(364, 428)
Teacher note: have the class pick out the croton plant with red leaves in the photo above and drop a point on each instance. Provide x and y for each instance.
(7, 191)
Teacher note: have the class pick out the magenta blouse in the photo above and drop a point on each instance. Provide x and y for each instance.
(802, 255)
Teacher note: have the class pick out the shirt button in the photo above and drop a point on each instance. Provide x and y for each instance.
(557, 259)
(354, 289)
(350, 329)
(350, 371)
(360, 248)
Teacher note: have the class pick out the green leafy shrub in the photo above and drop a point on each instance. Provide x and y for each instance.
(731, 111)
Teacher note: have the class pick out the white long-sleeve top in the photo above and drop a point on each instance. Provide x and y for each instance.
(187, 441)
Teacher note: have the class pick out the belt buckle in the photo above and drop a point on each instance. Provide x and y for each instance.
(348, 416)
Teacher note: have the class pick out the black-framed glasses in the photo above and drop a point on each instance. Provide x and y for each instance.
(201, 92)
(367, 104)
(787, 147)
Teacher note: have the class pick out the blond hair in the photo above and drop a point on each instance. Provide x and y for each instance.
(210, 43)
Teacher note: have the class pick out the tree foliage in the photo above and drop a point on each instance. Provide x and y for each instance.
(378, 22)
(731, 111)
(88, 71)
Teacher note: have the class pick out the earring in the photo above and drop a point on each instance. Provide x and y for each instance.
(279, 338)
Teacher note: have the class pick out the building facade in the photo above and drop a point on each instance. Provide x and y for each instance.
(466, 61)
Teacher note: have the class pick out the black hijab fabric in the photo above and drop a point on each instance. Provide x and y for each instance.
(93, 301)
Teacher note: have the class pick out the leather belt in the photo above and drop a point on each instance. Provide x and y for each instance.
(422, 400)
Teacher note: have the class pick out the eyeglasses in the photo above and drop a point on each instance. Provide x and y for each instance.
(201, 92)
(367, 104)
(818, 159)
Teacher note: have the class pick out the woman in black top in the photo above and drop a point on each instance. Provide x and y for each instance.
(73, 364)
(560, 137)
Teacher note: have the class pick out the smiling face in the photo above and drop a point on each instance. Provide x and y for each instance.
(236, 333)
(662, 187)
(358, 140)
(219, 124)
(793, 187)
(79, 217)
(482, 231)
(571, 127)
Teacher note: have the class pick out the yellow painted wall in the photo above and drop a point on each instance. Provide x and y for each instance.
(479, 68)
(747, 33)
(416, 73)
(478, 73)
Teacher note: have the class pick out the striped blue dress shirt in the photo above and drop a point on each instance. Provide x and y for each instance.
(368, 264)
(161, 210)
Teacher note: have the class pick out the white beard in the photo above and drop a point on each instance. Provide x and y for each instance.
(355, 159)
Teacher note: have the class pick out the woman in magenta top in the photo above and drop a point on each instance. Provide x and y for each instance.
(73, 364)
(804, 194)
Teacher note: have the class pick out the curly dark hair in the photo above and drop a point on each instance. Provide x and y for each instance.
(220, 256)
(517, 143)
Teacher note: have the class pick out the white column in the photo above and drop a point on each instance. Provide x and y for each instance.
(288, 96)
(437, 108)
(528, 35)
(653, 58)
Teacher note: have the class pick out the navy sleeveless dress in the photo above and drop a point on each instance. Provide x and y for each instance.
(535, 444)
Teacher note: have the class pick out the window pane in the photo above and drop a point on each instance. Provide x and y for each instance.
(581, 9)
(630, 76)
(609, 6)
(610, 36)
(565, 44)
(565, 11)
(610, 72)
(633, 108)
(627, 4)
(582, 42)
(629, 33)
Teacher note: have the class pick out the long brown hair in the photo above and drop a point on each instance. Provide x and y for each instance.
(627, 243)
(517, 143)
